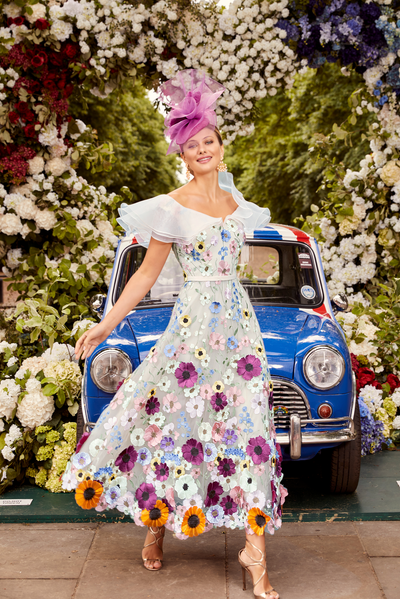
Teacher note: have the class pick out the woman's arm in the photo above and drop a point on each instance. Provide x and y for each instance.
(135, 290)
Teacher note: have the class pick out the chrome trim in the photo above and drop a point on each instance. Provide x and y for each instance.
(116, 350)
(295, 436)
(300, 392)
(313, 350)
(316, 437)
(354, 395)
(83, 400)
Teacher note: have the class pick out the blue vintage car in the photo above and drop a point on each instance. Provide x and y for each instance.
(315, 406)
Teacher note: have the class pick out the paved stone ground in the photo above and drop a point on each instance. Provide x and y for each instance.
(327, 560)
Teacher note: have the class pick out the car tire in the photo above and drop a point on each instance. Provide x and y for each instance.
(344, 462)
(80, 424)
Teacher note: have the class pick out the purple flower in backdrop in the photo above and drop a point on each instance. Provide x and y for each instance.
(226, 467)
(258, 449)
(127, 459)
(214, 490)
(353, 10)
(152, 406)
(228, 505)
(186, 374)
(162, 472)
(146, 496)
(249, 367)
(193, 452)
(219, 401)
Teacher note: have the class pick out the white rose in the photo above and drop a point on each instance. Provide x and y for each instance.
(390, 173)
(61, 29)
(38, 12)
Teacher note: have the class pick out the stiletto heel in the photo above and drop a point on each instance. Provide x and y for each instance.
(155, 542)
(245, 568)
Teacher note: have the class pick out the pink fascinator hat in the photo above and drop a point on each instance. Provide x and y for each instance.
(192, 96)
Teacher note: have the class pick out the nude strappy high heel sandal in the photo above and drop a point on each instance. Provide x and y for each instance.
(246, 566)
(154, 542)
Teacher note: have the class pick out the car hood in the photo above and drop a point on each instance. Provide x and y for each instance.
(280, 328)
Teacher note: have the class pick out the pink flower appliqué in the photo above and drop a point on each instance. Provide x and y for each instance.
(140, 402)
(233, 246)
(171, 403)
(218, 431)
(152, 435)
(217, 341)
(207, 256)
(223, 268)
(235, 395)
(206, 391)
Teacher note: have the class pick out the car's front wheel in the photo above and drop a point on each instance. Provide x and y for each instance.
(343, 463)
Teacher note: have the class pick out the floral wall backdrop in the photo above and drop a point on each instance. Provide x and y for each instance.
(58, 233)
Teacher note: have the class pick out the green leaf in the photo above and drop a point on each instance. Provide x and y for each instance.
(50, 389)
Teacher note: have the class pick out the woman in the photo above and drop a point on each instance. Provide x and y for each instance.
(188, 441)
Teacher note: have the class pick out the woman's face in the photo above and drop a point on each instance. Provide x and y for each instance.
(202, 152)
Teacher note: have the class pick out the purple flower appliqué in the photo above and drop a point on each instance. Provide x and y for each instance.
(186, 374)
(146, 496)
(214, 490)
(193, 452)
(258, 449)
(230, 437)
(167, 443)
(152, 406)
(127, 459)
(226, 467)
(162, 472)
(219, 401)
(228, 505)
(249, 367)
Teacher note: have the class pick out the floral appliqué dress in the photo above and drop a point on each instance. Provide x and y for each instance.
(189, 436)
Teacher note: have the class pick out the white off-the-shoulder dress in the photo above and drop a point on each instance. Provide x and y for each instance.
(192, 426)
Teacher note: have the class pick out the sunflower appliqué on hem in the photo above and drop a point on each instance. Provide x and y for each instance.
(157, 516)
(88, 493)
(194, 522)
(257, 520)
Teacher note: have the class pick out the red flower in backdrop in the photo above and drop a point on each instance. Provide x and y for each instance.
(56, 58)
(393, 381)
(42, 24)
(13, 116)
(365, 376)
(30, 131)
(16, 21)
(22, 107)
(355, 364)
(39, 59)
(71, 50)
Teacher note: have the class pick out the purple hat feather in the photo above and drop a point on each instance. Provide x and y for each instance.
(192, 97)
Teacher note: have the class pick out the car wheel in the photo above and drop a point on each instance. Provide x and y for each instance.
(79, 423)
(344, 462)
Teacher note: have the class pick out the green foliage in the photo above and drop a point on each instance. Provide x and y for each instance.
(274, 167)
(134, 129)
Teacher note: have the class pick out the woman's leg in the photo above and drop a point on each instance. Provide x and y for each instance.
(153, 553)
(252, 555)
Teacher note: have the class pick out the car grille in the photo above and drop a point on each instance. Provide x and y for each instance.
(288, 400)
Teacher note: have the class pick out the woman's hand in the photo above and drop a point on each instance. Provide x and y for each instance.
(91, 339)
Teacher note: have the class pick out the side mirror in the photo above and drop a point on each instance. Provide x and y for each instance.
(339, 302)
(97, 303)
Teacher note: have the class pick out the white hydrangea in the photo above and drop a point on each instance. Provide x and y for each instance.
(396, 397)
(27, 209)
(13, 258)
(34, 364)
(56, 166)
(9, 391)
(59, 352)
(14, 433)
(82, 325)
(372, 397)
(38, 12)
(35, 409)
(10, 224)
(45, 219)
(396, 423)
(8, 453)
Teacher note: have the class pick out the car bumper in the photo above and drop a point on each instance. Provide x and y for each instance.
(296, 437)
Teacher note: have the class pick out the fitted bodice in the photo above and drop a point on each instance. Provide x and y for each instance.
(213, 252)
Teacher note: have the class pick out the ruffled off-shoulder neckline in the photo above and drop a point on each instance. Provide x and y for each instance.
(165, 219)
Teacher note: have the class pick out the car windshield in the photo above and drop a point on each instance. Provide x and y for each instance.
(273, 273)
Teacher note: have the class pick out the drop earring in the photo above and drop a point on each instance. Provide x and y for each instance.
(188, 173)
(222, 168)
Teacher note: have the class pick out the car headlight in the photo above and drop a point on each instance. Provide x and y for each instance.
(323, 367)
(110, 367)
